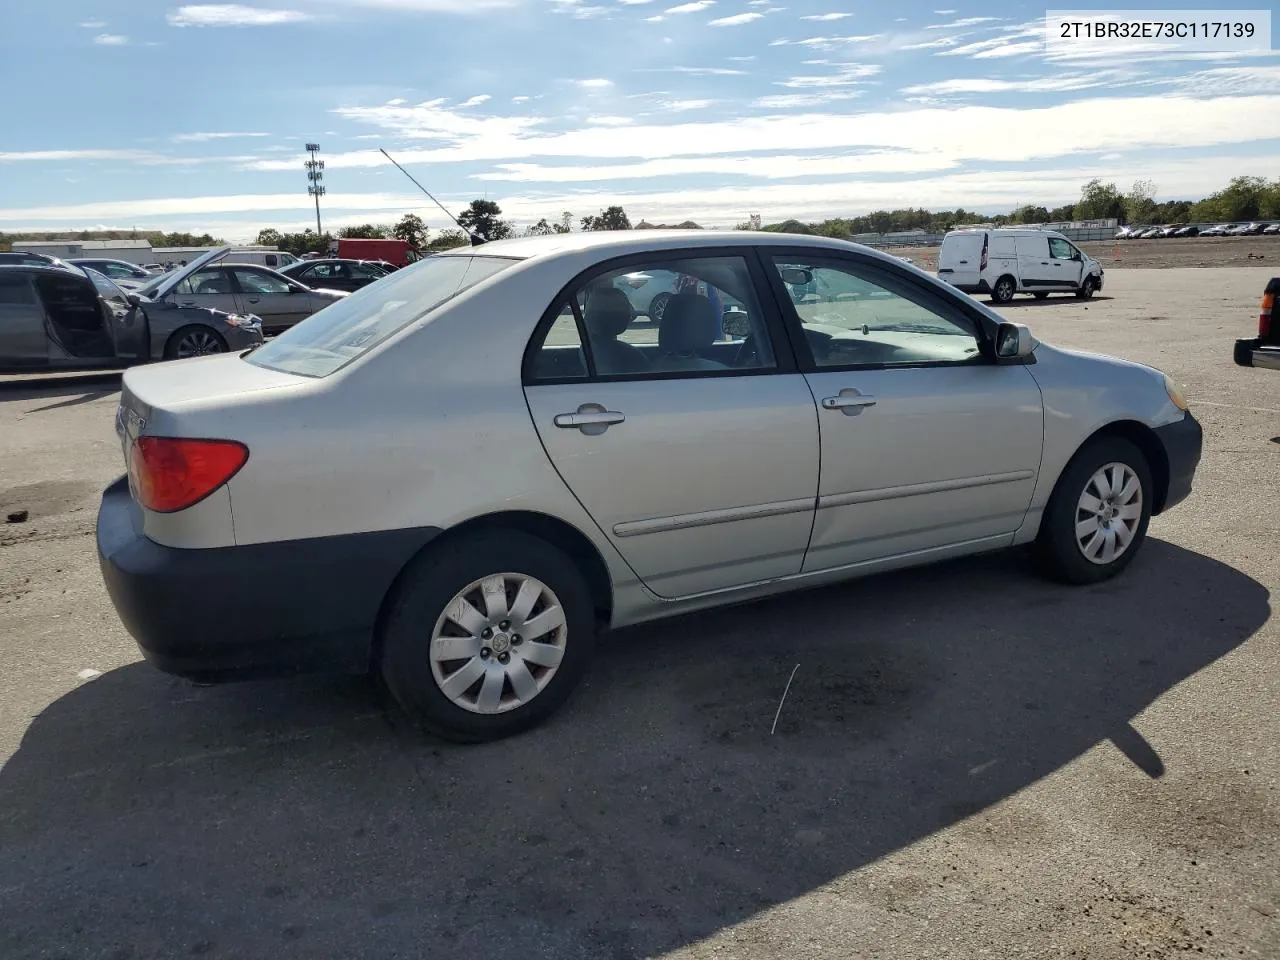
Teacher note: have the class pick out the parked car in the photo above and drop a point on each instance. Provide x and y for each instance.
(1272, 229)
(58, 318)
(1005, 261)
(1191, 230)
(127, 276)
(334, 274)
(21, 258)
(449, 476)
(241, 288)
(1264, 349)
(1217, 230)
(1170, 231)
(1124, 233)
(1237, 230)
(1151, 233)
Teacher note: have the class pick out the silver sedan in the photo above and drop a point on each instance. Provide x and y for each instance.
(458, 475)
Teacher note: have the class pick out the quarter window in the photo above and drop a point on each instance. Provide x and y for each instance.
(691, 317)
(15, 290)
(856, 317)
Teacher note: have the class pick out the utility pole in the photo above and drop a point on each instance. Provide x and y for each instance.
(315, 173)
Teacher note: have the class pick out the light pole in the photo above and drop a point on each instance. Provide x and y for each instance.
(315, 173)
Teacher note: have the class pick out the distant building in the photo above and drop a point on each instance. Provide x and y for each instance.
(131, 251)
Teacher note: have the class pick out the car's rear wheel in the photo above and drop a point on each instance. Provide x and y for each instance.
(1004, 289)
(194, 341)
(487, 637)
(1096, 519)
(658, 306)
(1087, 288)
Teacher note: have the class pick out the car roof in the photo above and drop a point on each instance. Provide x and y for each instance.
(620, 243)
(51, 268)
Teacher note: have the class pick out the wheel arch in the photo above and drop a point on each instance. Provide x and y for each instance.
(560, 534)
(1145, 439)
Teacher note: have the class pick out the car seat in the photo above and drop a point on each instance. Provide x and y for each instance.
(607, 315)
(688, 325)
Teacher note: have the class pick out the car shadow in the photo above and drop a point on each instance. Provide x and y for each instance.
(1053, 300)
(144, 816)
(49, 386)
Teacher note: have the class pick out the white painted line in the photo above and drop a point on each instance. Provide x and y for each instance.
(89, 673)
(1231, 406)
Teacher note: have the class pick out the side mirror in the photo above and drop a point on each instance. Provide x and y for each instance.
(796, 276)
(1013, 341)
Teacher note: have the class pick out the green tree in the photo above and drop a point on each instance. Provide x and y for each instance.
(610, 218)
(1098, 201)
(484, 219)
(539, 229)
(1030, 214)
(566, 223)
(1140, 202)
(364, 231)
(411, 230)
(269, 237)
(1062, 214)
(447, 240)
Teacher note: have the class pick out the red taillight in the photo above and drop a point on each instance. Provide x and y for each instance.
(1264, 315)
(168, 474)
(982, 265)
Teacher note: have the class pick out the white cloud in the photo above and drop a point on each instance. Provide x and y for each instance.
(476, 100)
(825, 43)
(580, 10)
(938, 43)
(92, 24)
(658, 19)
(205, 137)
(944, 13)
(963, 22)
(610, 121)
(778, 167)
(703, 71)
(736, 20)
(792, 101)
(684, 106)
(111, 40)
(693, 7)
(594, 83)
(520, 99)
(1238, 81)
(746, 59)
(634, 3)
(826, 17)
(1050, 84)
(847, 74)
(232, 15)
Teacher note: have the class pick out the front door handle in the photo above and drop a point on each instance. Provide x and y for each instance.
(187, 303)
(254, 299)
(590, 418)
(850, 402)
(1044, 263)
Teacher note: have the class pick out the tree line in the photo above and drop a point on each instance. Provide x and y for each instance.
(1244, 198)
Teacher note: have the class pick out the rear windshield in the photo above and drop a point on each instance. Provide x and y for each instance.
(356, 324)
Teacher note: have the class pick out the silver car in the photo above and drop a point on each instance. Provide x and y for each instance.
(459, 474)
(278, 300)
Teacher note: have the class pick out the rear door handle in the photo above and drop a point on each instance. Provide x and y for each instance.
(850, 402)
(1044, 263)
(590, 418)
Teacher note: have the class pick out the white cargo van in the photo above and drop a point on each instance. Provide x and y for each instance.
(1002, 261)
(275, 259)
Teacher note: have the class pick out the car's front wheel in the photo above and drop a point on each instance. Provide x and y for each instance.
(194, 341)
(1087, 288)
(487, 637)
(1097, 517)
(1004, 289)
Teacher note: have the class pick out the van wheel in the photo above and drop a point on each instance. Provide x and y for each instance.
(194, 341)
(1004, 289)
(1096, 519)
(489, 637)
(1086, 289)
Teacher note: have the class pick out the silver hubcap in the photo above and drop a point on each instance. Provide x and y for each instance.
(498, 643)
(197, 343)
(1108, 513)
(1004, 289)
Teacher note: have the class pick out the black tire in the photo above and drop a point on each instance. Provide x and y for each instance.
(431, 583)
(1059, 554)
(1041, 296)
(1004, 289)
(173, 346)
(1086, 289)
(658, 306)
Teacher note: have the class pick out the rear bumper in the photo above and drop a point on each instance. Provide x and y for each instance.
(980, 287)
(1183, 442)
(253, 610)
(1252, 352)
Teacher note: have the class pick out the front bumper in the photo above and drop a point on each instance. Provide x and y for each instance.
(1183, 442)
(1252, 352)
(258, 609)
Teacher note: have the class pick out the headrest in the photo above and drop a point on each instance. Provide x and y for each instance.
(608, 313)
(688, 324)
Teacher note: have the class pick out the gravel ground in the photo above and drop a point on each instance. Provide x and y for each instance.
(970, 761)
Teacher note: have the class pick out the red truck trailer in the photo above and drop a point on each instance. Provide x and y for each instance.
(399, 253)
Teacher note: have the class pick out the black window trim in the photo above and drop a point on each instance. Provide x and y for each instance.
(941, 301)
(785, 360)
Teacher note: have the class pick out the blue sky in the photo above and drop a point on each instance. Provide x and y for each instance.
(146, 113)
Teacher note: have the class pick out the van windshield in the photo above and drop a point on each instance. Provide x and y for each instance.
(353, 326)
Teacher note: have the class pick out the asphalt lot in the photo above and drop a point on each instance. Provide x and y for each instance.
(970, 762)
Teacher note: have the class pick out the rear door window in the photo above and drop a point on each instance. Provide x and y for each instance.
(16, 291)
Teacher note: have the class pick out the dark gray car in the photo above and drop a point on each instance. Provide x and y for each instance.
(60, 318)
